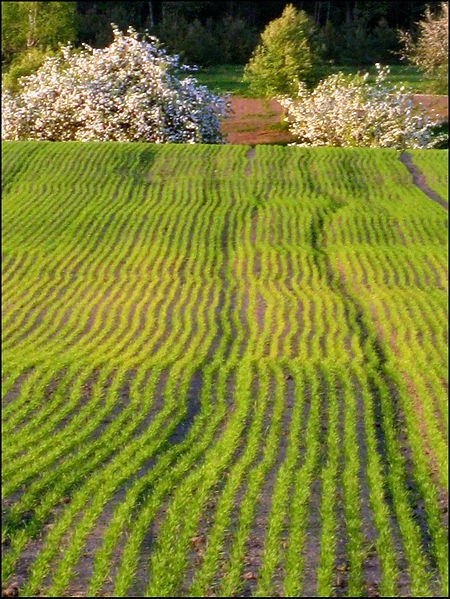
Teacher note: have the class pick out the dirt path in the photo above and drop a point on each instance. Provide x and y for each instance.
(256, 121)
(419, 179)
(436, 105)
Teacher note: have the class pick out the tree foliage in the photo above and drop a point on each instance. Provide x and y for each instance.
(429, 49)
(41, 25)
(228, 41)
(368, 26)
(284, 56)
(345, 110)
(128, 91)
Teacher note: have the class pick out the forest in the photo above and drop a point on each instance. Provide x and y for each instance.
(210, 32)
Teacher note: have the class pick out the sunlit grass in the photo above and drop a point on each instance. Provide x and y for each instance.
(228, 78)
(224, 371)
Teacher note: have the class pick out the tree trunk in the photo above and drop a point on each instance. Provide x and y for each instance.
(32, 14)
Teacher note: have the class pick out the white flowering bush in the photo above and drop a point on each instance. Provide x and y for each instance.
(345, 110)
(128, 91)
(428, 50)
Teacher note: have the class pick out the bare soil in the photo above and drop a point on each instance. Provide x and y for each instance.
(257, 121)
(436, 105)
(254, 121)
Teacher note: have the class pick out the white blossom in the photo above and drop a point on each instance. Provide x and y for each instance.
(127, 91)
(348, 111)
(429, 50)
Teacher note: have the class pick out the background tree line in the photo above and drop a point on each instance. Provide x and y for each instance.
(349, 32)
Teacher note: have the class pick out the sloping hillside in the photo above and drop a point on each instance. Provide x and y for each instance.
(224, 371)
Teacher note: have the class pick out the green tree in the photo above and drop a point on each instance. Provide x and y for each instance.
(284, 55)
(39, 25)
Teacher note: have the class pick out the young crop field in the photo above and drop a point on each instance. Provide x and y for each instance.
(224, 371)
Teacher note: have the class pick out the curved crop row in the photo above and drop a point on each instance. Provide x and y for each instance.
(224, 371)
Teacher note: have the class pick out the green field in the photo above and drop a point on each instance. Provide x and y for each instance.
(228, 78)
(224, 371)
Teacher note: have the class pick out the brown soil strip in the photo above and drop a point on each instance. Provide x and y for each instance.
(18, 269)
(402, 582)
(85, 565)
(419, 180)
(255, 543)
(299, 328)
(92, 315)
(249, 156)
(8, 264)
(431, 457)
(209, 512)
(311, 548)
(284, 309)
(14, 391)
(437, 279)
(84, 568)
(28, 555)
(415, 499)
(436, 106)
(312, 331)
(39, 317)
(47, 394)
(341, 562)
(371, 563)
(256, 121)
(400, 232)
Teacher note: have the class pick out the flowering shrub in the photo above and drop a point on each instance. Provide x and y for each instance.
(429, 51)
(347, 111)
(128, 91)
